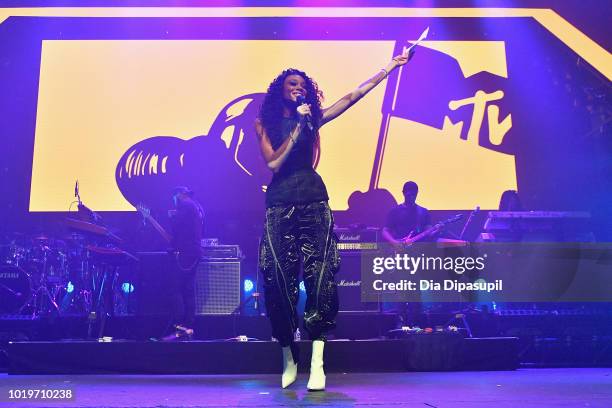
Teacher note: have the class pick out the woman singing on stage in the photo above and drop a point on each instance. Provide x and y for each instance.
(299, 223)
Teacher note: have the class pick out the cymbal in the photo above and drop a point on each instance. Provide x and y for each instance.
(91, 228)
(111, 255)
(86, 226)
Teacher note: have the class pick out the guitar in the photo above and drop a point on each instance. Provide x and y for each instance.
(411, 239)
(185, 260)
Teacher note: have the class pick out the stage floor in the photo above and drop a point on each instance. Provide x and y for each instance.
(559, 387)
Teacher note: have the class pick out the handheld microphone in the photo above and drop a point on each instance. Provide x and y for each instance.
(301, 101)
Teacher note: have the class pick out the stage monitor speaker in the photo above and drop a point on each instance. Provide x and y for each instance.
(348, 280)
(217, 287)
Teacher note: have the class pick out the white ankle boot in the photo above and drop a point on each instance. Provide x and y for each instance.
(289, 368)
(316, 382)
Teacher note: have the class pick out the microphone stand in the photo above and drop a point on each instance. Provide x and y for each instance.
(469, 220)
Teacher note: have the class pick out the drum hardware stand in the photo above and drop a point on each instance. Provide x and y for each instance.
(101, 303)
(81, 300)
(37, 304)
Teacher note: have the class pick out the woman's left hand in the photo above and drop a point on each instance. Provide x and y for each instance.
(402, 59)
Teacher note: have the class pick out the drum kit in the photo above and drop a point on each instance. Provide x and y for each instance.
(74, 274)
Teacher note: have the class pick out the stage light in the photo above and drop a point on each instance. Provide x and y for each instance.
(248, 285)
(69, 287)
(127, 287)
(302, 287)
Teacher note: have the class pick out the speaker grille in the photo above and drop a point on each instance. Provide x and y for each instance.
(349, 282)
(217, 287)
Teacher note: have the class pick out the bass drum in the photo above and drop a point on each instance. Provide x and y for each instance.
(15, 288)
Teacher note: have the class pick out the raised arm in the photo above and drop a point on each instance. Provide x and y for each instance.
(350, 99)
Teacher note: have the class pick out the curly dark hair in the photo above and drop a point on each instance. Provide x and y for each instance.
(271, 111)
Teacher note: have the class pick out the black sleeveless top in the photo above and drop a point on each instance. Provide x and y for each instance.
(296, 182)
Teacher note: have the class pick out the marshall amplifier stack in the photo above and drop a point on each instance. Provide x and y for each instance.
(351, 243)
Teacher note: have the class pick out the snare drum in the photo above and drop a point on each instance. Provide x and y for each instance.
(15, 288)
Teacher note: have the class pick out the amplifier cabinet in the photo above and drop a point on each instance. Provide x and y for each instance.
(217, 287)
(348, 280)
